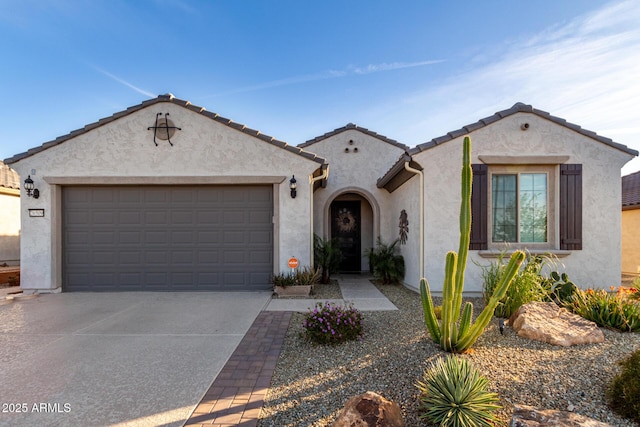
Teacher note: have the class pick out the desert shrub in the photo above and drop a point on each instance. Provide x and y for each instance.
(559, 287)
(326, 256)
(283, 279)
(332, 324)
(528, 285)
(453, 393)
(299, 277)
(385, 261)
(613, 310)
(306, 276)
(623, 393)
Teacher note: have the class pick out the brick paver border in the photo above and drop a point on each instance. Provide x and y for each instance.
(237, 394)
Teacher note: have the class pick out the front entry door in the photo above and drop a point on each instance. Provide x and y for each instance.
(345, 227)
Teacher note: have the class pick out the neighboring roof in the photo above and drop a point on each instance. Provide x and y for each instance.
(8, 177)
(519, 107)
(631, 191)
(186, 104)
(351, 126)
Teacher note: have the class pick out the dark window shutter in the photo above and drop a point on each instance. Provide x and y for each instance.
(479, 209)
(571, 207)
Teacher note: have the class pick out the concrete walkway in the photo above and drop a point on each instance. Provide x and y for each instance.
(356, 289)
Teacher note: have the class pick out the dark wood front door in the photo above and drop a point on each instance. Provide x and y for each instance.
(345, 226)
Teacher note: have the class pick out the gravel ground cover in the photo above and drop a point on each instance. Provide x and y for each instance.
(312, 383)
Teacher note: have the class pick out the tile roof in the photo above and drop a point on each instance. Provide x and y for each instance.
(631, 191)
(351, 126)
(519, 107)
(8, 177)
(391, 175)
(186, 104)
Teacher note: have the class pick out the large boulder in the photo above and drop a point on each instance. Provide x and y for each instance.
(369, 410)
(528, 416)
(545, 321)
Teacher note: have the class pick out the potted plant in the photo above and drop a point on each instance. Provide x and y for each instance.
(298, 282)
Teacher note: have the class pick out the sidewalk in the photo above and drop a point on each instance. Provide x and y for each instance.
(356, 289)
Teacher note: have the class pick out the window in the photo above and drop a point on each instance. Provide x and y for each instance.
(528, 206)
(519, 207)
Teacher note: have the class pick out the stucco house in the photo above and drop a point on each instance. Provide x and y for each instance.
(168, 196)
(9, 216)
(631, 225)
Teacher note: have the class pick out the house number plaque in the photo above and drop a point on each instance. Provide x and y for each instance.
(36, 213)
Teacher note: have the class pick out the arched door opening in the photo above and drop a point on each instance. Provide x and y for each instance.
(351, 223)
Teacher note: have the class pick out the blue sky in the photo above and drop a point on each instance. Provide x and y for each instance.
(410, 70)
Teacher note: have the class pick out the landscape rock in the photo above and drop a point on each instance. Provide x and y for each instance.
(545, 321)
(528, 416)
(369, 410)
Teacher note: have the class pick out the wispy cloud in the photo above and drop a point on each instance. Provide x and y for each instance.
(123, 82)
(351, 70)
(586, 71)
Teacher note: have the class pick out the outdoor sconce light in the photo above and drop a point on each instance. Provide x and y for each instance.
(31, 191)
(292, 186)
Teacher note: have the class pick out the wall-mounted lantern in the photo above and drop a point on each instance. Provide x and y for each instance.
(31, 190)
(292, 186)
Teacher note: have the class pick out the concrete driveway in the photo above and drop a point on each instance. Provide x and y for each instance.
(143, 359)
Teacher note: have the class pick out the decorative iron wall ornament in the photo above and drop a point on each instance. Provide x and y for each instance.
(164, 129)
(404, 227)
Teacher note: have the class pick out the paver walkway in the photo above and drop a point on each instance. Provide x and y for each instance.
(237, 394)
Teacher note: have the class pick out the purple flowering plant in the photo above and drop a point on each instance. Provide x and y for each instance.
(332, 324)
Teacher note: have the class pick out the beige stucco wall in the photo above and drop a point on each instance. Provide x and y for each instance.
(631, 241)
(9, 227)
(597, 265)
(123, 151)
(407, 197)
(357, 172)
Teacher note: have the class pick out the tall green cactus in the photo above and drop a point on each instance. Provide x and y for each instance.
(456, 333)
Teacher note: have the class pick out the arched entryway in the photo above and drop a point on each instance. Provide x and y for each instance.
(351, 220)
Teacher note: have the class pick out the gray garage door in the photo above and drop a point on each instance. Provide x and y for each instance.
(167, 238)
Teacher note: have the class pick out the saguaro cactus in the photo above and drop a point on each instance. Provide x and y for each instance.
(454, 333)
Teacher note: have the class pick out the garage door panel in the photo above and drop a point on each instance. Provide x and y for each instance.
(167, 238)
(182, 237)
(182, 217)
(259, 237)
(208, 257)
(156, 237)
(132, 237)
(103, 217)
(129, 258)
(205, 237)
(155, 218)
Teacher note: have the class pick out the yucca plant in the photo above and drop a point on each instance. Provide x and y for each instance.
(454, 336)
(453, 393)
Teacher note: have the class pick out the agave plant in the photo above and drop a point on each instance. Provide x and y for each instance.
(453, 393)
(454, 336)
